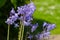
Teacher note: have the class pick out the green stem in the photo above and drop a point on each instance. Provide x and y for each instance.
(19, 34)
(22, 31)
(8, 32)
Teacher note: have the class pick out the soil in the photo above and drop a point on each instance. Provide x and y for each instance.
(54, 37)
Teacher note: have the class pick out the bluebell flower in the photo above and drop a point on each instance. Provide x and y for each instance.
(50, 27)
(32, 6)
(14, 18)
(30, 37)
(9, 21)
(21, 18)
(39, 36)
(12, 12)
(53, 26)
(16, 25)
(34, 27)
(46, 34)
(28, 18)
(27, 23)
(44, 24)
(20, 10)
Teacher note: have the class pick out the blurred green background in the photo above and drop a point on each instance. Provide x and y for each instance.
(46, 10)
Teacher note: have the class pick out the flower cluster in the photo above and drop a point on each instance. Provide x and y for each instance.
(24, 13)
(46, 31)
(13, 17)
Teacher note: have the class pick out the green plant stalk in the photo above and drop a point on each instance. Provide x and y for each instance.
(20, 30)
(22, 23)
(8, 32)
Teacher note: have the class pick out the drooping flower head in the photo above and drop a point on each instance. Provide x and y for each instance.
(12, 18)
(12, 12)
(49, 26)
(34, 27)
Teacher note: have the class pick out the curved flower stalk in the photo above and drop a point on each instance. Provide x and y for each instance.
(10, 21)
(8, 32)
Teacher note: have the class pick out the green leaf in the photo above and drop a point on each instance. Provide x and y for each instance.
(14, 2)
(2, 2)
